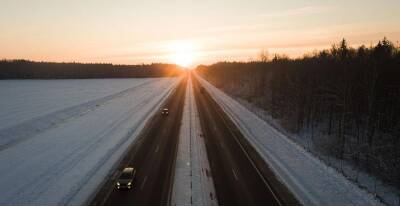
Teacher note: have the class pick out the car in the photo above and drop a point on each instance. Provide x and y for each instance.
(165, 112)
(126, 178)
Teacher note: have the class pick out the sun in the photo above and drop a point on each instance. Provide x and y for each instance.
(182, 59)
(182, 53)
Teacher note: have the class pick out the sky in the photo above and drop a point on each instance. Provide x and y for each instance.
(187, 32)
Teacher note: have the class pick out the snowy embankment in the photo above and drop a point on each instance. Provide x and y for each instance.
(59, 138)
(310, 180)
(193, 184)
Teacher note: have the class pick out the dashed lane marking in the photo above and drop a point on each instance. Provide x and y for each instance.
(144, 181)
(234, 174)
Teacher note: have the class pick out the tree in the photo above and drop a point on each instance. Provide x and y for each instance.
(264, 55)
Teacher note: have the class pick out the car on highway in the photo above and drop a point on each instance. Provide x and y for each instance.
(165, 112)
(126, 178)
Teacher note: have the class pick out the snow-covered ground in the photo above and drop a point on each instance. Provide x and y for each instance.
(30, 106)
(26, 99)
(386, 193)
(59, 138)
(193, 184)
(310, 180)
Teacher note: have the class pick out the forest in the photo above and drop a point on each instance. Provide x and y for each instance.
(23, 69)
(344, 100)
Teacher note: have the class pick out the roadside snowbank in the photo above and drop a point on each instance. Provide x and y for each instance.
(193, 184)
(311, 181)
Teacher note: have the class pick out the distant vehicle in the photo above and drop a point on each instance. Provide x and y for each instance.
(165, 112)
(125, 180)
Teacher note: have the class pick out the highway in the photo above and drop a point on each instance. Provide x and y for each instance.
(240, 175)
(237, 179)
(153, 154)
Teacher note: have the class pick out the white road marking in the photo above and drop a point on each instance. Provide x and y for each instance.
(158, 147)
(144, 181)
(234, 174)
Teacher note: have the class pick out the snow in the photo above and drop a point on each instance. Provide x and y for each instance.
(30, 106)
(66, 135)
(386, 193)
(193, 184)
(27, 99)
(310, 180)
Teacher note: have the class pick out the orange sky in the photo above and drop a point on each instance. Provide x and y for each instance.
(178, 31)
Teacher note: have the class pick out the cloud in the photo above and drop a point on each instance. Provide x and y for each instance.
(300, 11)
(251, 26)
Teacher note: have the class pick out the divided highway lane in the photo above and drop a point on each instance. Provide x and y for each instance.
(236, 177)
(153, 155)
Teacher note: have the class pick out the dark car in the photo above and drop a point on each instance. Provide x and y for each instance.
(125, 180)
(165, 112)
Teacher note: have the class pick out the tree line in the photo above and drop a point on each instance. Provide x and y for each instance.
(347, 100)
(23, 69)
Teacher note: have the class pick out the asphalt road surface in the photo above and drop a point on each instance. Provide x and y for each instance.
(153, 155)
(240, 175)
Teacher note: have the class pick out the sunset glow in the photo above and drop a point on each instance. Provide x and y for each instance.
(187, 33)
(182, 53)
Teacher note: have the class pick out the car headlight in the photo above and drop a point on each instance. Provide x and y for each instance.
(118, 183)
(129, 183)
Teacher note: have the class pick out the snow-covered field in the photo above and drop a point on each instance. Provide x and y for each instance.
(59, 138)
(310, 180)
